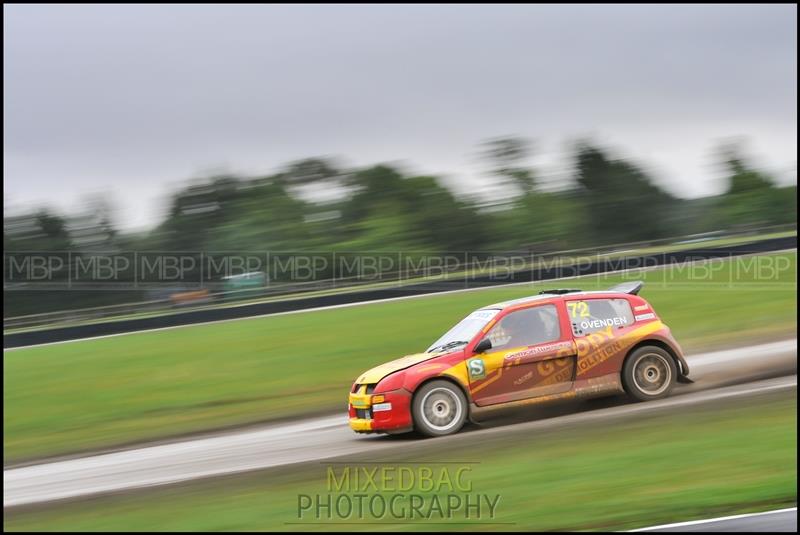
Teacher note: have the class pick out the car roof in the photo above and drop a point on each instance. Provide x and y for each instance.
(543, 297)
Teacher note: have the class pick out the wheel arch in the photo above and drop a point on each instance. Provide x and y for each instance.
(657, 343)
(447, 378)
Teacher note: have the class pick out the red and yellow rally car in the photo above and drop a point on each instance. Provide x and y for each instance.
(559, 344)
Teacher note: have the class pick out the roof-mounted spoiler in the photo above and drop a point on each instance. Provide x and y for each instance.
(632, 287)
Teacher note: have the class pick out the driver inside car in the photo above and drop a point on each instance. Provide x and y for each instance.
(513, 331)
(525, 328)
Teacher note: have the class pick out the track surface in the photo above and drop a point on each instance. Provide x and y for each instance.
(601, 265)
(328, 437)
(782, 520)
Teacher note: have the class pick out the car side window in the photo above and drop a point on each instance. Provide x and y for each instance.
(588, 316)
(527, 327)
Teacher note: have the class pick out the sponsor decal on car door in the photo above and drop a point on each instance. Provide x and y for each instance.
(531, 356)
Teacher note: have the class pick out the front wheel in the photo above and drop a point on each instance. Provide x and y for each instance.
(649, 373)
(439, 408)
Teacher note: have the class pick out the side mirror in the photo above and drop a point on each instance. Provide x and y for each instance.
(483, 346)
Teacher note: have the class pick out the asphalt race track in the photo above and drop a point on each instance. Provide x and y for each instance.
(601, 265)
(781, 520)
(747, 371)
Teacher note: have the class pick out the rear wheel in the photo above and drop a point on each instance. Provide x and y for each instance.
(649, 373)
(439, 408)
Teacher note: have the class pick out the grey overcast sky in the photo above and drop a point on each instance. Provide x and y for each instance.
(134, 100)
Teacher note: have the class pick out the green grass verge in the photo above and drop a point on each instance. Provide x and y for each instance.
(709, 460)
(105, 392)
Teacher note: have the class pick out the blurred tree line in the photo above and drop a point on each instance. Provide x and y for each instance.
(380, 208)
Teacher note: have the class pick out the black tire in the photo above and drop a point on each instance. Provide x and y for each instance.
(649, 373)
(439, 408)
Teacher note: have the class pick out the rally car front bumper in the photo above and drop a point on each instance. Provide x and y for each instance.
(388, 412)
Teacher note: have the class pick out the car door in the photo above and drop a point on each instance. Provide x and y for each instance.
(532, 354)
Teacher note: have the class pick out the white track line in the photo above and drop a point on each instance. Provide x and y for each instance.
(387, 300)
(720, 519)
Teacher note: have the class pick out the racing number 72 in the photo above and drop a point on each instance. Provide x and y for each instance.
(578, 309)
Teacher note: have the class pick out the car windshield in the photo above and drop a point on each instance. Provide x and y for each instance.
(464, 330)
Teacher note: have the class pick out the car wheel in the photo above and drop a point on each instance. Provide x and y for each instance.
(649, 373)
(439, 408)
